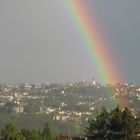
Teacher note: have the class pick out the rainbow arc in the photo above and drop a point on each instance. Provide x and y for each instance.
(96, 49)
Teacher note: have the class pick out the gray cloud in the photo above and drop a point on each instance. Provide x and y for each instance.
(38, 45)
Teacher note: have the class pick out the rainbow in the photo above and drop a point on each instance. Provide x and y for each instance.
(97, 51)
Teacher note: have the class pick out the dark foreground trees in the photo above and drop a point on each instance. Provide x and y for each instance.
(115, 125)
(10, 132)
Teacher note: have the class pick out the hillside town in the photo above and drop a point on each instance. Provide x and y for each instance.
(68, 101)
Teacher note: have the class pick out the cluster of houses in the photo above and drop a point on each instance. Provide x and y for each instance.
(14, 98)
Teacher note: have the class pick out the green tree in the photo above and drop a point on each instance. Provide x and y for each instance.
(98, 127)
(31, 134)
(131, 125)
(115, 125)
(10, 132)
(46, 134)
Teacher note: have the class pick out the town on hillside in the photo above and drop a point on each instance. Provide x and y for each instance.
(68, 101)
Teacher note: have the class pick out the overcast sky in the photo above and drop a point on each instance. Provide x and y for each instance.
(36, 44)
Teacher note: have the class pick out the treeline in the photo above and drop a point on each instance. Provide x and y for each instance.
(114, 125)
(70, 127)
(10, 132)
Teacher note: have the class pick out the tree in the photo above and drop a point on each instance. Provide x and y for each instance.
(131, 125)
(31, 134)
(10, 132)
(115, 125)
(98, 127)
(46, 134)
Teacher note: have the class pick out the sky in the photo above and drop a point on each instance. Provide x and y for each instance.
(38, 45)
